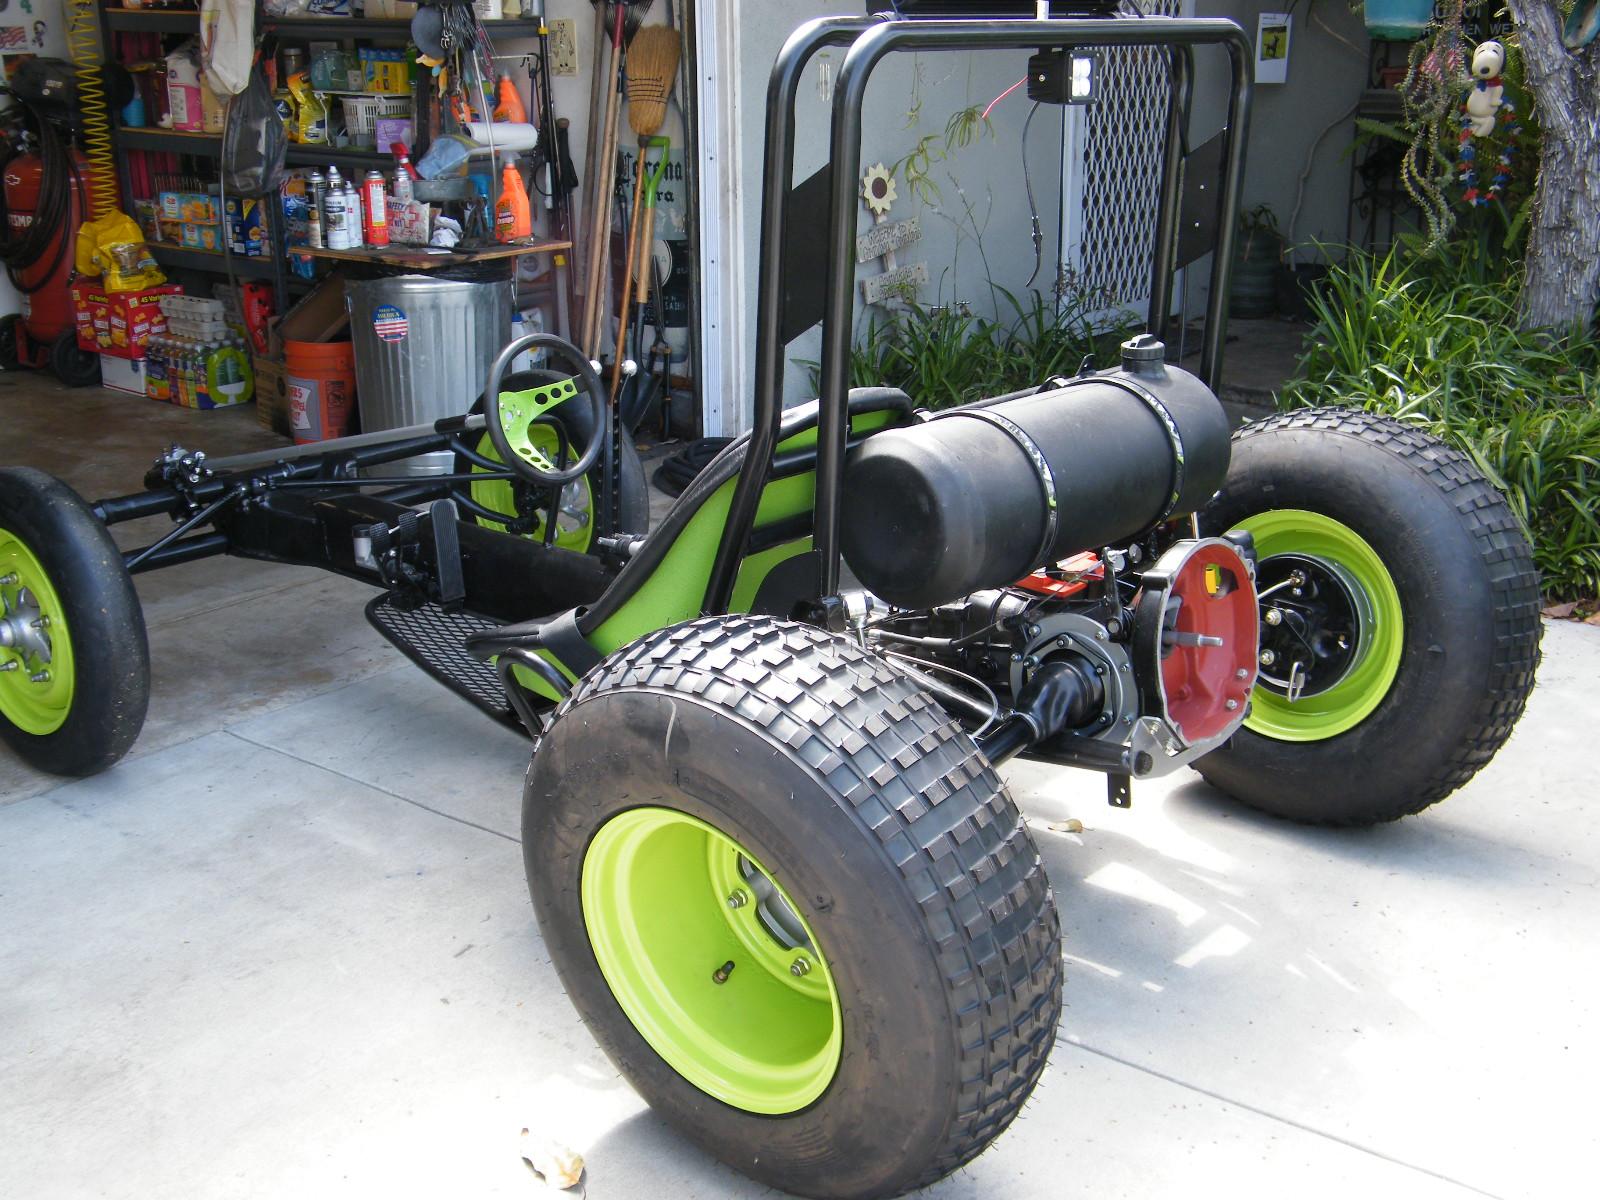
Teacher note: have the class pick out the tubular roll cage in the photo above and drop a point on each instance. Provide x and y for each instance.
(870, 40)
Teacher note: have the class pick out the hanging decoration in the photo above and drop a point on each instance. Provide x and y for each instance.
(1486, 107)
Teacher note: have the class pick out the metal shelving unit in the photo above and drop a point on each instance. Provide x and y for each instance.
(212, 261)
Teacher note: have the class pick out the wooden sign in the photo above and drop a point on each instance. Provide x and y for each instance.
(886, 238)
(897, 284)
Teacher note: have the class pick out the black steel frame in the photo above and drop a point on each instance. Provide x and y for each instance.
(870, 41)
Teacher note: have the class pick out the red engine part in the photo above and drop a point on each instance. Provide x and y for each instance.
(1195, 638)
(47, 311)
(1066, 578)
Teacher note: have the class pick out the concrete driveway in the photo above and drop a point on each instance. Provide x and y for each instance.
(285, 948)
(294, 955)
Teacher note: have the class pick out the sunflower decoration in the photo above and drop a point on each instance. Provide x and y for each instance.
(877, 189)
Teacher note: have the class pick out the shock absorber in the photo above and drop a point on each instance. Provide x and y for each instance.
(83, 45)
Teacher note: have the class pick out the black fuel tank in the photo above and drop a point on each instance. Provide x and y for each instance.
(962, 501)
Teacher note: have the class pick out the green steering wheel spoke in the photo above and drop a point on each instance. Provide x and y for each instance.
(711, 960)
(519, 410)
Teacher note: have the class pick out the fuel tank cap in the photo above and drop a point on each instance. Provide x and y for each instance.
(1143, 354)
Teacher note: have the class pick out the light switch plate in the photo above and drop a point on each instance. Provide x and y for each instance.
(563, 46)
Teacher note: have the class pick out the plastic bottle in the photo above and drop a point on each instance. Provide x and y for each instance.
(513, 215)
(508, 104)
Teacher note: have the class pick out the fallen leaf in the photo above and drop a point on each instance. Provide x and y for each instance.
(1070, 825)
(1592, 619)
(1559, 612)
(557, 1165)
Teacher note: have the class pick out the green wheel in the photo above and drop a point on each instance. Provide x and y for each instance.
(526, 507)
(74, 664)
(794, 904)
(1399, 618)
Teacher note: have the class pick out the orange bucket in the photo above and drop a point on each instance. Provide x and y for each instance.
(322, 388)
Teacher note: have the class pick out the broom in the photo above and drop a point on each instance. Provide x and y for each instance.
(652, 67)
(599, 93)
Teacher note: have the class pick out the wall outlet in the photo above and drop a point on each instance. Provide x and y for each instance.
(563, 46)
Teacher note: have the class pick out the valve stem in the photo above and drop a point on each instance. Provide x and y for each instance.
(720, 975)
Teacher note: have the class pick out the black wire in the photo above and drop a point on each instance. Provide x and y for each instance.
(1033, 209)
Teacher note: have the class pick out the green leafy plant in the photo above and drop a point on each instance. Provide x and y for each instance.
(942, 357)
(1433, 339)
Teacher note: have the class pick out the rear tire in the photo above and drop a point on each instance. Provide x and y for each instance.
(72, 365)
(88, 710)
(1443, 578)
(936, 985)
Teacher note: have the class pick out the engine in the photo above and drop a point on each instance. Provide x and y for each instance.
(1029, 561)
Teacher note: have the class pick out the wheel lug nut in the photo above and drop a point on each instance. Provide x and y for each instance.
(1232, 704)
(1241, 673)
(41, 677)
(737, 898)
(1268, 658)
(8, 580)
(720, 975)
(8, 666)
(800, 966)
(1274, 617)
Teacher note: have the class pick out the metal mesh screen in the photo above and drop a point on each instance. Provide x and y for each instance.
(436, 640)
(1124, 135)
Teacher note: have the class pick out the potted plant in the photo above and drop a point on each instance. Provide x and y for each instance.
(1256, 254)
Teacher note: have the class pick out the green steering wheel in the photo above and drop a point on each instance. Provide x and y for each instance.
(509, 417)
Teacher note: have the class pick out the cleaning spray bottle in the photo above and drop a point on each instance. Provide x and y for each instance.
(513, 215)
(508, 104)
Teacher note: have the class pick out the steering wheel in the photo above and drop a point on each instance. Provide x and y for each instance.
(508, 417)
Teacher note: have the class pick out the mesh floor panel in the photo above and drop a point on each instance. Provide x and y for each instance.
(436, 641)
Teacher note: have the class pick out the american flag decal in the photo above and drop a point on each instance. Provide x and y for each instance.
(390, 323)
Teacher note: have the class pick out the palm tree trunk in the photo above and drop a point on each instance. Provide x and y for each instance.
(1563, 257)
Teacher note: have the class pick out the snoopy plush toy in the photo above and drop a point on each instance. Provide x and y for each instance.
(1487, 94)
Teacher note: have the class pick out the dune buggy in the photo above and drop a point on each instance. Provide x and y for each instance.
(765, 835)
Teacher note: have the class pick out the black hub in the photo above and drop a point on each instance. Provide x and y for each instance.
(1311, 617)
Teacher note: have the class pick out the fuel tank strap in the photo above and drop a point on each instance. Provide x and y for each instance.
(1164, 415)
(1047, 479)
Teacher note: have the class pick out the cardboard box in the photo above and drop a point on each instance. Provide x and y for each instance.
(320, 316)
(272, 394)
(201, 237)
(246, 228)
(122, 374)
(200, 208)
(169, 206)
(388, 130)
(119, 324)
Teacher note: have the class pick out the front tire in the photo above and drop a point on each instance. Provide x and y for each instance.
(74, 661)
(1414, 624)
(725, 799)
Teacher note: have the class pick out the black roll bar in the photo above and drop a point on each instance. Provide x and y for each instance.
(870, 41)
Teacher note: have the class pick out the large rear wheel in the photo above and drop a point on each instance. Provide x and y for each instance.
(794, 904)
(74, 662)
(1399, 618)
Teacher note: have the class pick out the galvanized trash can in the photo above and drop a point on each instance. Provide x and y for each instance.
(423, 350)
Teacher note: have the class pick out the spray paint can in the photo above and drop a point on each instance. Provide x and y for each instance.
(353, 218)
(333, 221)
(314, 228)
(375, 225)
(316, 189)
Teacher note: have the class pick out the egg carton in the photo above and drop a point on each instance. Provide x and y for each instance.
(191, 308)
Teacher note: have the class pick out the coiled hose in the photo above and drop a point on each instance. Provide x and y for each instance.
(44, 234)
(83, 46)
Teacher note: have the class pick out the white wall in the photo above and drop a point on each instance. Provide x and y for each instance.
(910, 96)
(1327, 73)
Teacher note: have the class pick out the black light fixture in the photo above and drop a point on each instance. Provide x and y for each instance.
(1064, 76)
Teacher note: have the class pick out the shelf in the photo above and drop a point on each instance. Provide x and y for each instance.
(423, 258)
(321, 156)
(172, 140)
(381, 27)
(210, 260)
(152, 20)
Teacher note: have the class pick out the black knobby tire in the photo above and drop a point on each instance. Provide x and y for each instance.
(1468, 591)
(911, 862)
(73, 365)
(110, 653)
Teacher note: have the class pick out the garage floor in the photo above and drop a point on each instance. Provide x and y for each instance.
(285, 948)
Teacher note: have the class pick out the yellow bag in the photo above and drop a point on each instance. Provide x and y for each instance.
(113, 246)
